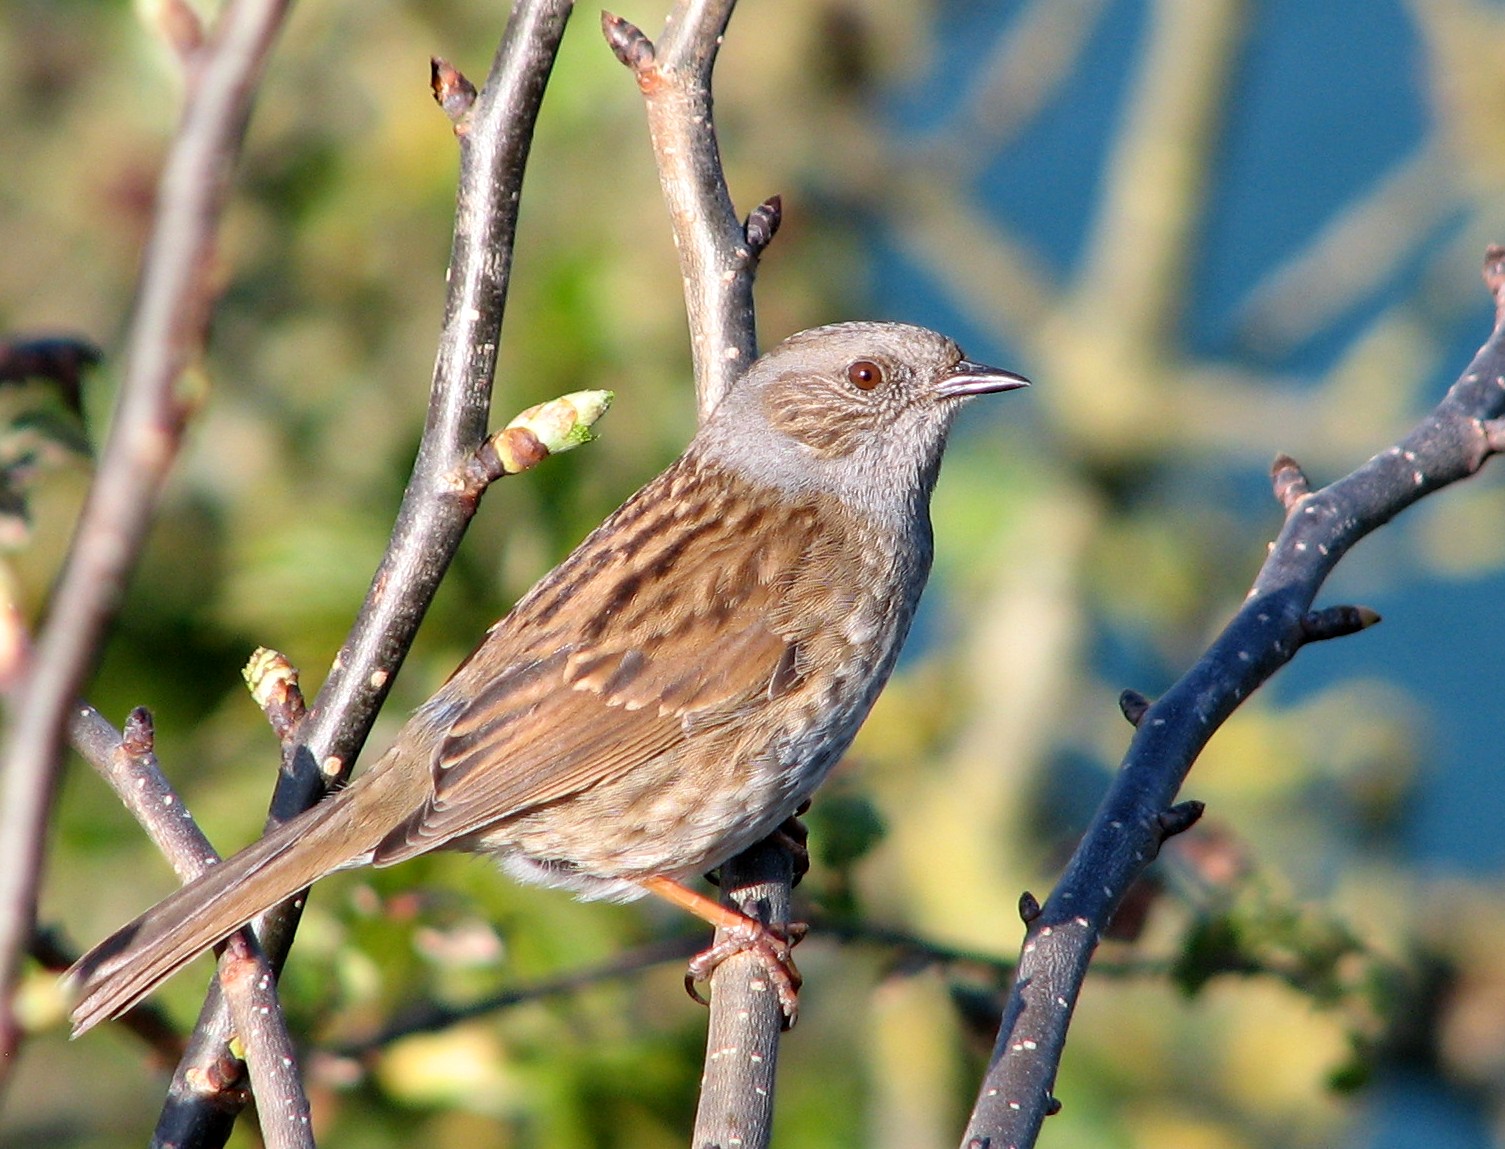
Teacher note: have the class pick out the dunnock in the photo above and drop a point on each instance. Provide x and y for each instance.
(673, 690)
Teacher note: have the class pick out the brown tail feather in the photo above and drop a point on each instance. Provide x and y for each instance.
(135, 959)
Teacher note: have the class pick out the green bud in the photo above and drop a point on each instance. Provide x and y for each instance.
(565, 422)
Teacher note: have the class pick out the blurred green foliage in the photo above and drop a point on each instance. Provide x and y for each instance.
(1097, 509)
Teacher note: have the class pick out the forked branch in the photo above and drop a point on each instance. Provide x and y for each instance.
(1276, 620)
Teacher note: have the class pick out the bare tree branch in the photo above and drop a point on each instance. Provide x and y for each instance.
(716, 260)
(167, 330)
(246, 977)
(742, 1043)
(431, 520)
(1276, 620)
(128, 762)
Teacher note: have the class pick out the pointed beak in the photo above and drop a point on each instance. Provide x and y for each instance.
(969, 378)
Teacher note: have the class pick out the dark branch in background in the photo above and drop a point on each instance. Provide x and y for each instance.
(718, 259)
(144, 1020)
(1275, 621)
(128, 761)
(167, 330)
(911, 950)
(431, 1017)
(60, 360)
(433, 516)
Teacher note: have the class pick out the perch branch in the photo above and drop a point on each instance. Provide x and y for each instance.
(742, 1042)
(1276, 620)
(718, 260)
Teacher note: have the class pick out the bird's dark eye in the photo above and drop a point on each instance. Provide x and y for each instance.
(864, 374)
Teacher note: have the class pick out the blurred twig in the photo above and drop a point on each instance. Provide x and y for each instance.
(1116, 313)
(1026, 69)
(1306, 293)
(435, 510)
(145, 1020)
(429, 1017)
(167, 329)
(1139, 252)
(1276, 620)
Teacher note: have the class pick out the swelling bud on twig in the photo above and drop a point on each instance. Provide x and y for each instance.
(1337, 622)
(561, 424)
(452, 92)
(1134, 705)
(1289, 480)
(273, 682)
(564, 423)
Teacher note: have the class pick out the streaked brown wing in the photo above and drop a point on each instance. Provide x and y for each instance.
(669, 619)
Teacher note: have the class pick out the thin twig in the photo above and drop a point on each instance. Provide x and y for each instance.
(434, 511)
(430, 1017)
(128, 761)
(716, 261)
(167, 330)
(1275, 621)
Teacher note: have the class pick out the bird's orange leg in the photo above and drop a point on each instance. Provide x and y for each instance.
(770, 944)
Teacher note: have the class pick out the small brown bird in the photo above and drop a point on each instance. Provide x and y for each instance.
(672, 691)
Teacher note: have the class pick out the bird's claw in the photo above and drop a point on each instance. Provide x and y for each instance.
(794, 836)
(773, 947)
